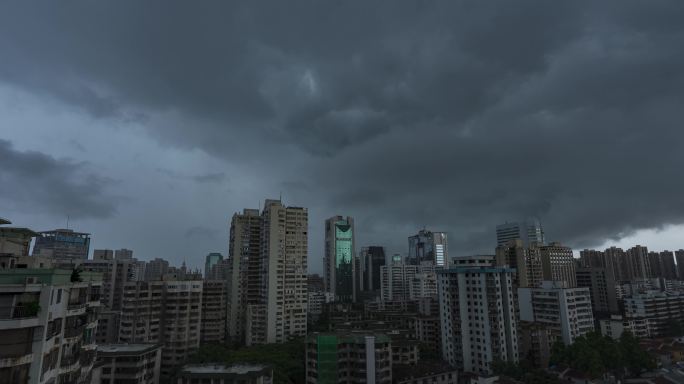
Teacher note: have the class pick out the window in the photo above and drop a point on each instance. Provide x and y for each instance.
(59, 296)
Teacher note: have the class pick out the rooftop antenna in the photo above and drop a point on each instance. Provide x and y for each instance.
(67, 223)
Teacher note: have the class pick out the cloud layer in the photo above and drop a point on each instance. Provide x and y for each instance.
(455, 115)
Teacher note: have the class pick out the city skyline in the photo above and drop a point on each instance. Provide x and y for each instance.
(151, 133)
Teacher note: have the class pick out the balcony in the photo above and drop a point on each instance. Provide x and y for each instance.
(20, 311)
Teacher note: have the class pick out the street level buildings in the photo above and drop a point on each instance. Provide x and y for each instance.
(218, 373)
(348, 357)
(129, 363)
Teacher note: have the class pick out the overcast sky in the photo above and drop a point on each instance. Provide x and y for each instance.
(151, 123)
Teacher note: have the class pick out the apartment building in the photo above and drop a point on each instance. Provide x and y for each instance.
(558, 263)
(602, 288)
(214, 312)
(566, 312)
(477, 314)
(401, 282)
(268, 268)
(526, 261)
(165, 312)
(48, 319)
(657, 309)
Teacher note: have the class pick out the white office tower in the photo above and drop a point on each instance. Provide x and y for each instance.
(530, 231)
(268, 274)
(566, 311)
(477, 315)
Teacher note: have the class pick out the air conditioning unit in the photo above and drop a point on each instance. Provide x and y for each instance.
(31, 280)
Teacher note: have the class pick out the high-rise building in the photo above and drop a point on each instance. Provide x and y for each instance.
(268, 274)
(525, 260)
(566, 311)
(340, 271)
(315, 283)
(558, 263)
(372, 259)
(63, 245)
(662, 265)
(478, 314)
(156, 269)
(210, 261)
(529, 231)
(129, 363)
(214, 312)
(639, 266)
(679, 256)
(47, 325)
(367, 358)
(428, 246)
(115, 272)
(601, 284)
(618, 259)
(123, 254)
(401, 282)
(246, 270)
(166, 312)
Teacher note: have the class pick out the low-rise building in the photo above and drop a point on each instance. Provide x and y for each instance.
(433, 372)
(131, 363)
(617, 325)
(225, 374)
(348, 357)
(535, 343)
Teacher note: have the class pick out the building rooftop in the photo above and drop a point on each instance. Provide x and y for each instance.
(222, 370)
(4, 221)
(401, 372)
(125, 349)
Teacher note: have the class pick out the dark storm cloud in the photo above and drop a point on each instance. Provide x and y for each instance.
(455, 115)
(201, 232)
(211, 177)
(36, 183)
